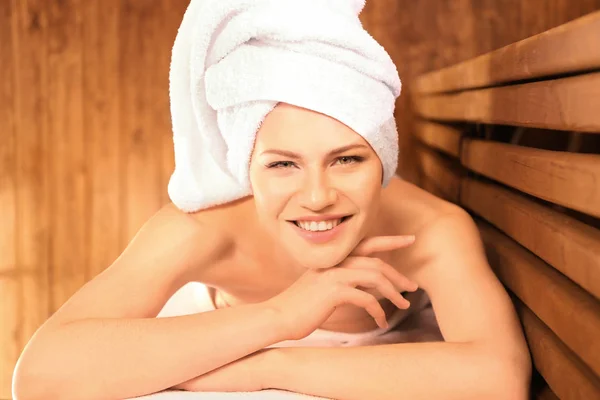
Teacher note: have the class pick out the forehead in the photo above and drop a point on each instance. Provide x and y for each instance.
(291, 126)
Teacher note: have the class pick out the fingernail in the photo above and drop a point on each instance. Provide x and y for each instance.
(410, 238)
(414, 287)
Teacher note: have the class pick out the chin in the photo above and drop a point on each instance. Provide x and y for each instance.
(321, 256)
(320, 259)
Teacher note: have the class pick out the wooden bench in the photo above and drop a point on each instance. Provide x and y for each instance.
(513, 136)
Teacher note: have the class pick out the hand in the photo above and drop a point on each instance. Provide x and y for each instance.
(309, 302)
(248, 374)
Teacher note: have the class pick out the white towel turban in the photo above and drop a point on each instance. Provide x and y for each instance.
(234, 60)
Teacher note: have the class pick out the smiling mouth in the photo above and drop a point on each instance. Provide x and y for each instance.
(342, 220)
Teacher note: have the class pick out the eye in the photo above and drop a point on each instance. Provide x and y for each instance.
(281, 164)
(349, 159)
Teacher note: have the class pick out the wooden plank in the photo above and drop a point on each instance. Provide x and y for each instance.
(571, 47)
(546, 394)
(442, 137)
(567, 244)
(570, 312)
(567, 179)
(428, 185)
(8, 161)
(9, 290)
(101, 110)
(565, 104)
(142, 46)
(441, 172)
(9, 335)
(69, 162)
(566, 375)
(33, 154)
(173, 11)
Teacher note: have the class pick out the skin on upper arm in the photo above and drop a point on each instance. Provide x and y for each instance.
(470, 303)
(163, 255)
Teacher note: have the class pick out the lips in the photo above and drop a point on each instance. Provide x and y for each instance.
(319, 237)
(342, 219)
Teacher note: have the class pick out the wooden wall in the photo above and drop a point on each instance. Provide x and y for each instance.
(85, 141)
(85, 148)
(427, 35)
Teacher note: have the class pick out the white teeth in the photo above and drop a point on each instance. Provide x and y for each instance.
(318, 226)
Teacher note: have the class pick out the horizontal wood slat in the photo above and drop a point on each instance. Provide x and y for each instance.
(442, 137)
(571, 47)
(571, 180)
(566, 375)
(441, 172)
(567, 244)
(564, 104)
(546, 394)
(569, 311)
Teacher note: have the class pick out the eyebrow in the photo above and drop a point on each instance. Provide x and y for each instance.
(333, 152)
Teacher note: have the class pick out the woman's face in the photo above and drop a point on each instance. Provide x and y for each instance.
(307, 167)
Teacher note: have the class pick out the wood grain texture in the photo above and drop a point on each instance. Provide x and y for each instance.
(566, 375)
(567, 244)
(101, 90)
(570, 312)
(9, 289)
(567, 179)
(68, 147)
(63, 181)
(564, 104)
(572, 47)
(441, 137)
(29, 289)
(444, 174)
(8, 143)
(546, 394)
(429, 185)
(140, 30)
(9, 318)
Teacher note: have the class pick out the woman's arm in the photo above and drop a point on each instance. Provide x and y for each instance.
(484, 354)
(435, 370)
(105, 342)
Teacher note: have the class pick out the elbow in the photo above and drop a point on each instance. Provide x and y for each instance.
(28, 384)
(35, 375)
(31, 383)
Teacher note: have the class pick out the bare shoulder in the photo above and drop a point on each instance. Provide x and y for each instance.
(446, 235)
(183, 242)
(413, 209)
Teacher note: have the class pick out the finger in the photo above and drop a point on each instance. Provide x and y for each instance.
(366, 301)
(400, 281)
(378, 244)
(372, 278)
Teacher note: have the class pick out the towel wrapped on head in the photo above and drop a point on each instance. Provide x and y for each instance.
(234, 60)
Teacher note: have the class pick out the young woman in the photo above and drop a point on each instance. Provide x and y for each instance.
(315, 283)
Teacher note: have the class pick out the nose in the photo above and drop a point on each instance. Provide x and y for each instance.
(317, 193)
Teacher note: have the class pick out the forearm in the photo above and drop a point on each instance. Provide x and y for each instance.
(121, 358)
(413, 371)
